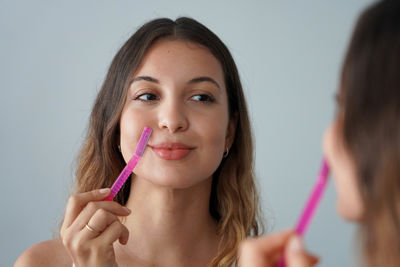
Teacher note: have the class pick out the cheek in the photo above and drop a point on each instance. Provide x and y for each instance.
(131, 128)
(349, 200)
(211, 154)
(327, 144)
(214, 133)
(350, 205)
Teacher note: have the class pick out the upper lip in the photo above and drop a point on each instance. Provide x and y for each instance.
(171, 146)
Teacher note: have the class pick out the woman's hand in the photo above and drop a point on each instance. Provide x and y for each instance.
(266, 251)
(90, 228)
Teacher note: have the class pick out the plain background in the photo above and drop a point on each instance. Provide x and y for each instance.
(53, 59)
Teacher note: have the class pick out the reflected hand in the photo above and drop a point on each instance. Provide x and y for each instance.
(266, 251)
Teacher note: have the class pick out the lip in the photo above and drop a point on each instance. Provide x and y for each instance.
(171, 151)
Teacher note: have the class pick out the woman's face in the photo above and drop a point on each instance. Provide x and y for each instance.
(178, 91)
(349, 200)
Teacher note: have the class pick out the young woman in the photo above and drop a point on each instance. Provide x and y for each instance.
(192, 197)
(362, 144)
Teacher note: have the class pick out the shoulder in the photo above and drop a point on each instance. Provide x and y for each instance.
(47, 253)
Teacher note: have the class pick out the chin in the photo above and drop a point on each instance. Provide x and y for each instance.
(178, 176)
(174, 180)
(349, 212)
(175, 183)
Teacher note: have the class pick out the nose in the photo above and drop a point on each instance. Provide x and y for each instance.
(172, 117)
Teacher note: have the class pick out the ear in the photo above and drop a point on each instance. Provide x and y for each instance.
(231, 131)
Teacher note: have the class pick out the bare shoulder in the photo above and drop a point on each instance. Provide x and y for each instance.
(47, 253)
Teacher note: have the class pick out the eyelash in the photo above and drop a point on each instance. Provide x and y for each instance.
(209, 99)
(139, 97)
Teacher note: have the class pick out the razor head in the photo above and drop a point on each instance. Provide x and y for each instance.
(144, 138)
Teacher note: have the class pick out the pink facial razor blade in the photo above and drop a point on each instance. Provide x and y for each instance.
(144, 138)
(312, 203)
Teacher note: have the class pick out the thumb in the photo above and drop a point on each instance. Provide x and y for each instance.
(296, 255)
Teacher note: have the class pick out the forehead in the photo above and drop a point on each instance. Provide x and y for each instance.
(180, 59)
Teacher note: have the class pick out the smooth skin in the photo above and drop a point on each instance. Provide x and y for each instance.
(93, 249)
(349, 199)
(179, 92)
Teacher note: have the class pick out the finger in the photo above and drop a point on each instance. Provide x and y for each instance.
(98, 223)
(251, 255)
(271, 244)
(115, 231)
(262, 251)
(92, 207)
(78, 201)
(296, 255)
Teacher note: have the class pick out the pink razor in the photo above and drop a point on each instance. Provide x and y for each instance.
(313, 200)
(311, 204)
(144, 138)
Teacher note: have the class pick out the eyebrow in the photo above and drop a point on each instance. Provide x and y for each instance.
(146, 78)
(204, 79)
(192, 81)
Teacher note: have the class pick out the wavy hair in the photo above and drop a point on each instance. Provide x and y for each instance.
(234, 200)
(370, 95)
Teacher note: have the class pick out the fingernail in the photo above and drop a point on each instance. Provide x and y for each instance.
(296, 244)
(104, 190)
(314, 259)
(127, 210)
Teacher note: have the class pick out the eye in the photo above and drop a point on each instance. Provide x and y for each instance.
(146, 97)
(203, 98)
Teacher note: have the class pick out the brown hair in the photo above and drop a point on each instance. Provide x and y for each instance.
(234, 201)
(370, 95)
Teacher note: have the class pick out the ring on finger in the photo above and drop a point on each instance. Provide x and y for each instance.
(91, 229)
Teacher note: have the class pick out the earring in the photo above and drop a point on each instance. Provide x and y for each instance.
(119, 148)
(226, 153)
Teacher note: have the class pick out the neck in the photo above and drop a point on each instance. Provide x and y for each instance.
(170, 226)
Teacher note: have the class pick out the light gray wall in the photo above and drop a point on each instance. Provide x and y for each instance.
(53, 58)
